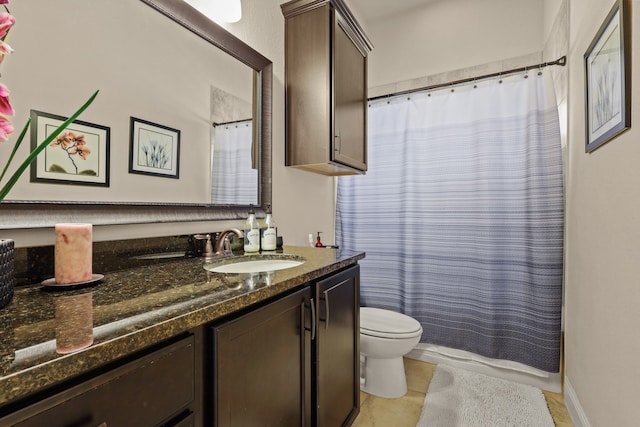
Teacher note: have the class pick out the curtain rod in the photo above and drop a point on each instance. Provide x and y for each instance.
(231, 122)
(560, 61)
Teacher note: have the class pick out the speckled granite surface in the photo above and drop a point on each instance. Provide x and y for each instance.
(129, 310)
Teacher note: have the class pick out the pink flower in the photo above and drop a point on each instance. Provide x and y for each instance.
(5, 106)
(81, 151)
(6, 22)
(5, 128)
(65, 140)
(5, 49)
(4, 1)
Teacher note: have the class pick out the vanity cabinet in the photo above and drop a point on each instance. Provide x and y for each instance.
(325, 88)
(156, 389)
(292, 362)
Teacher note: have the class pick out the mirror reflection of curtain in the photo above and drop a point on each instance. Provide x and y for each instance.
(233, 180)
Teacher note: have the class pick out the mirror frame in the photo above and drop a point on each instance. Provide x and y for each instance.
(17, 214)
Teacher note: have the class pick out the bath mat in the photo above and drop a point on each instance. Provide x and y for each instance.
(459, 398)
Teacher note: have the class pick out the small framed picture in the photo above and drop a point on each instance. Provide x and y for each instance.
(155, 149)
(608, 79)
(79, 155)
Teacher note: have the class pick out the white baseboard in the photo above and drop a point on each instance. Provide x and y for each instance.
(574, 408)
(511, 371)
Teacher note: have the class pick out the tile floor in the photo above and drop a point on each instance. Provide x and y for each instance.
(405, 411)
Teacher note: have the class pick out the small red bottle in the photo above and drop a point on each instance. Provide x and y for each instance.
(318, 242)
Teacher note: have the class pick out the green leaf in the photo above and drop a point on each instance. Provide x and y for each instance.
(32, 156)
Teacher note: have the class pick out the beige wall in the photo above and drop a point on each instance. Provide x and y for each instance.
(550, 12)
(603, 247)
(451, 35)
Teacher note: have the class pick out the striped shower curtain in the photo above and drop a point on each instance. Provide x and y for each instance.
(461, 217)
(233, 181)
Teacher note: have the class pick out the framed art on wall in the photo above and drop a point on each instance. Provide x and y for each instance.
(78, 156)
(608, 79)
(155, 149)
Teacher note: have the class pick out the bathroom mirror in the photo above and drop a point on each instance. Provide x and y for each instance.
(184, 197)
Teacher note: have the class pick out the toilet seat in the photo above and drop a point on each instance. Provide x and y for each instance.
(381, 323)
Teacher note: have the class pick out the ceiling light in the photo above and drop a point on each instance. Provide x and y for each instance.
(226, 10)
(220, 11)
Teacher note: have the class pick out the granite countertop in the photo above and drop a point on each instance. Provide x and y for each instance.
(130, 310)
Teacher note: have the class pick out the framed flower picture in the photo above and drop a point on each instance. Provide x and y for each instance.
(155, 149)
(77, 156)
(608, 78)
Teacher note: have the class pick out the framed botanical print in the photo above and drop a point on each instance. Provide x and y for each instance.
(155, 149)
(608, 78)
(78, 156)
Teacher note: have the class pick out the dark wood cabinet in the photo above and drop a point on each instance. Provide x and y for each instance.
(292, 362)
(326, 88)
(156, 389)
(261, 374)
(337, 349)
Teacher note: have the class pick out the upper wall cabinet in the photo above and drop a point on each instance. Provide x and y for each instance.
(326, 88)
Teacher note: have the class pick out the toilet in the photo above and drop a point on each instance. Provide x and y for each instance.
(385, 336)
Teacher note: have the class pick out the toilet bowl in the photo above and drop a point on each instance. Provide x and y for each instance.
(385, 336)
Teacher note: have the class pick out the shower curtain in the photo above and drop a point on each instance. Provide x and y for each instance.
(233, 181)
(461, 217)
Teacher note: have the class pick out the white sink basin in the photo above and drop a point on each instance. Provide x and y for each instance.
(255, 265)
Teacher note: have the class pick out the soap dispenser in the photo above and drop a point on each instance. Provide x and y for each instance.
(268, 238)
(251, 232)
(318, 242)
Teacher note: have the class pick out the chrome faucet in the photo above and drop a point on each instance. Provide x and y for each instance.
(222, 246)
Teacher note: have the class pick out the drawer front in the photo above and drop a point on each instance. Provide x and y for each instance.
(144, 392)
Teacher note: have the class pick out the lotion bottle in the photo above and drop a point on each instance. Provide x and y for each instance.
(251, 232)
(268, 238)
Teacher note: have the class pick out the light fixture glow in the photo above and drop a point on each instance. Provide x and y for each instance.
(226, 10)
(220, 11)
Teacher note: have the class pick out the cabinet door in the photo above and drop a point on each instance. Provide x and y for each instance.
(262, 366)
(308, 87)
(337, 349)
(350, 91)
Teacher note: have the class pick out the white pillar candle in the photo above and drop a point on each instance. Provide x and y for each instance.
(73, 253)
